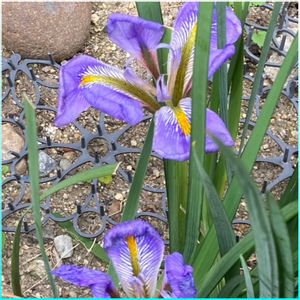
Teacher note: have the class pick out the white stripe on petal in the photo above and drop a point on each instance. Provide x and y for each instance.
(181, 33)
(103, 70)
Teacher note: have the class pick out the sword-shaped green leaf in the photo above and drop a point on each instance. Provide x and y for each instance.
(33, 164)
(198, 134)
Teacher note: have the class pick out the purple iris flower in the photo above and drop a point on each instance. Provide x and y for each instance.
(86, 81)
(136, 251)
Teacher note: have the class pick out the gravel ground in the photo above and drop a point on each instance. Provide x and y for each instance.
(34, 283)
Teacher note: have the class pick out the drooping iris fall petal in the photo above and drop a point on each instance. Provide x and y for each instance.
(172, 131)
(86, 81)
(100, 283)
(173, 127)
(179, 281)
(136, 251)
(137, 36)
(71, 102)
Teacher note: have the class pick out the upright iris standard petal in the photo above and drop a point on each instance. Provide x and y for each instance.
(85, 82)
(184, 25)
(100, 283)
(218, 57)
(233, 28)
(136, 251)
(173, 127)
(180, 61)
(179, 281)
(233, 31)
(137, 36)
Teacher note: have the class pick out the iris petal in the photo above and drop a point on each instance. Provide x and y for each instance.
(131, 243)
(179, 277)
(171, 139)
(184, 26)
(218, 57)
(137, 36)
(233, 32)
(233, 28)
(85, 82)
(132, 78)
(71, 102)
(100, 283)
(184, 23)
(216, 127)
(162, 90)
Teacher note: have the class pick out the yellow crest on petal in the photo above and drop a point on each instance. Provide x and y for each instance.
(187, 52)
(183, 120)
(134, 255)
(122, 86)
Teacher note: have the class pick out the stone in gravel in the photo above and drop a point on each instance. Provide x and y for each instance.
(11, 141)
(115, 208)
(95, 18)
(271, 72)
(48, 234)
(119, 196)
(36, 29)
(133, 143)
(72, 294)
(64, 164)
(63, 245)
(156, 172)
(36, 268)
(21, 167)
(47, 163)
(69, 155)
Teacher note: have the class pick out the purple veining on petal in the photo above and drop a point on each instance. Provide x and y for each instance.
(138, 286)
(179, 277)
(150, 249)
(99, 282)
